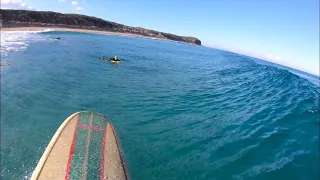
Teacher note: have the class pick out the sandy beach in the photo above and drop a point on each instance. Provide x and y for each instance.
(76, 30)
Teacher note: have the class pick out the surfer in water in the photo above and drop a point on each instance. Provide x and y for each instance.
(110, 59)
(114, 59)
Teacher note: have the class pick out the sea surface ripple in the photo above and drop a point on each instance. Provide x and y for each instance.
(181, 111)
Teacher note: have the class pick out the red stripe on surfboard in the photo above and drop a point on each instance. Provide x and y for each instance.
(102, 151)
(72, 151)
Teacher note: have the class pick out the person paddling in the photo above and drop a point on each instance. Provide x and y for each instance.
(115, 58)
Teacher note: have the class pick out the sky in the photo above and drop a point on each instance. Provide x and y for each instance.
(281, 31)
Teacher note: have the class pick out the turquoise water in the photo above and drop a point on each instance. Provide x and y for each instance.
(181, 111)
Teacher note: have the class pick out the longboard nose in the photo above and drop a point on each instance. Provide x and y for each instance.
(84, 147)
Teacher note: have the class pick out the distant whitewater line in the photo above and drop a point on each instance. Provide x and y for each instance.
(12, 41)
(45, 29)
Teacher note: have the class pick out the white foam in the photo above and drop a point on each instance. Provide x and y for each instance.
(12, 41)
(27, 175)
(48, 30)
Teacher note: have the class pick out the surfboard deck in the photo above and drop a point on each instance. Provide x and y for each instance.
(84, 147)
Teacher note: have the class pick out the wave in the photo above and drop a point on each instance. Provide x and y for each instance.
(255, 107)
(47, 30)
(225, 117)
(13, 41)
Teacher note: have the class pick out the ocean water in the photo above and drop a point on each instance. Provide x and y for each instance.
(181, 111)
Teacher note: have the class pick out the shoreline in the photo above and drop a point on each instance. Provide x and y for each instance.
(42, 29)
(14, 20)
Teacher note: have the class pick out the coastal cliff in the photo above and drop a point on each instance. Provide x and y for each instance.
(25, 18)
